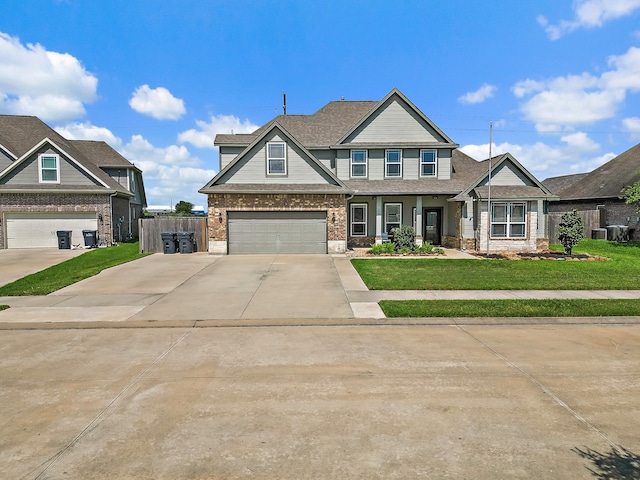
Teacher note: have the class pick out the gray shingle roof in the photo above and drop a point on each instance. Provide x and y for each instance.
(275, 188)
(558, 184)
(511, 192)
(607, 181)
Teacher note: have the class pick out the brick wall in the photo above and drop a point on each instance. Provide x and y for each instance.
(219, 204)
(51, 203)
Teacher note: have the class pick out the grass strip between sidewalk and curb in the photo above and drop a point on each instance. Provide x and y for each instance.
(511, 308)
(73, 270)
(618, 273)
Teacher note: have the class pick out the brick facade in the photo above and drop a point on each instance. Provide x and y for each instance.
(52, 203)
(219, 204)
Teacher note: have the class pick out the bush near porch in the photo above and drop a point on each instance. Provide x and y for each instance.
(621, 272)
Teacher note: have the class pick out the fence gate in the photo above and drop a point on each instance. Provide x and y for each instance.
(151, 228)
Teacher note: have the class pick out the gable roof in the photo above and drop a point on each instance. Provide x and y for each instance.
(23, 135)
(398, 95)
(606, 181)
(336, 187)
(558, 184)
(537, 190)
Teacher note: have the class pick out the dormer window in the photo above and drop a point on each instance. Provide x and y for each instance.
(428, 163)
(49, 168)
(358, 163)
(393, 163)
(276, 158)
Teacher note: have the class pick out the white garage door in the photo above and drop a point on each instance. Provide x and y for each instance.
(37, 230)
(277, 232)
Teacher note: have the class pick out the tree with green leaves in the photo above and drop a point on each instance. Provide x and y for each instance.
(632, 195)
(570, 230)
(184, 208)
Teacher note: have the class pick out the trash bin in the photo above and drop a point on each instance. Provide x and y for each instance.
(168, 242)
(90, 238)
(64, 239)
(185, 242)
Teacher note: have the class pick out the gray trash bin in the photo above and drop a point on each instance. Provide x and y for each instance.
(90, 238)
(168, 242)
(185, 242)
(64, 239)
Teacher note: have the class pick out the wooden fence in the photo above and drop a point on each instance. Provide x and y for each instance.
(591, 219)
(151, 228)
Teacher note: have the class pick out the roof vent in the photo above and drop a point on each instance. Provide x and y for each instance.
(342, 99)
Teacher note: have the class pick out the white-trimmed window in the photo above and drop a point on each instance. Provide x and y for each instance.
(508, 220)
(358, 224)
(428, 163)
(132, 181)
(392, 216)
(49, 168)
(276, 158)
(393, 163)
(358, 163)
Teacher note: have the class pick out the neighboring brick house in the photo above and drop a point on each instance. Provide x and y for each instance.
(349, 174)
(598, 195)
(49, 183)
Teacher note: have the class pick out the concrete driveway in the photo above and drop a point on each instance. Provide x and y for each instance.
(196, 287)
(405, 402)
(19, 262)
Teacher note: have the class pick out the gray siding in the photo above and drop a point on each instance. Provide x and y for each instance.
(227, 154)
(27, 173)
(411, 163)
(326, 157)
(343, 164)
(444, 164)
(394, 122)
(253, 168)
(5, 160)
(119, 175)
(376, 164)
(508, 175)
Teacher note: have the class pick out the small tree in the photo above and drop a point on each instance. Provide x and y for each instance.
(632, 195)
(404, 237)
(184, 208)
(570, 230)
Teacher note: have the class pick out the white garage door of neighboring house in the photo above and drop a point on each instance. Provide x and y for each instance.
(37, 230)
(277, 232)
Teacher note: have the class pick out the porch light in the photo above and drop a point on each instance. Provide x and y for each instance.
(333, 217)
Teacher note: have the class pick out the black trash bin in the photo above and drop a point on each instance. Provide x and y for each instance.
(168, 242)
(64, 239)
(185, 242)
(90, 238)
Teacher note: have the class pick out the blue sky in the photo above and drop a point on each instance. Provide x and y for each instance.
(559, 79)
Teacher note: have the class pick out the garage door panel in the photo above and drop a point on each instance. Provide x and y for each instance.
(38, 230)
(277, 232)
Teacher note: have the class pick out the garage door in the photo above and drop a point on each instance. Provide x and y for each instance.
(277, 232)
(37, 230)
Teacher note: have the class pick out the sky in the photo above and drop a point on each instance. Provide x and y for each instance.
(558, 80)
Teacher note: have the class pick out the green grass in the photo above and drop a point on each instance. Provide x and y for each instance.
(621, 272)
(72, 271)
(3, 307)
(511, 308)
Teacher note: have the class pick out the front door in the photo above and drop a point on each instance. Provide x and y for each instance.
(432, 225)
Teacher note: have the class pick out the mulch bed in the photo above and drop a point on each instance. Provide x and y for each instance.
(541, 255)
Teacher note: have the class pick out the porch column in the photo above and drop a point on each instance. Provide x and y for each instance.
(378, 219)
(419, 228)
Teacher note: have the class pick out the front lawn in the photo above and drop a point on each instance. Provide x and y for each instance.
(621, 272)
(72, 270)
(511, 308)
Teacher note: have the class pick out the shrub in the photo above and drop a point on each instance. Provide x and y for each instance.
(404, 237)
(381, 248)
(570, 230)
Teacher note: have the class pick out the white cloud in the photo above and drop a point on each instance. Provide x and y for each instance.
(483, 93)
(34, 81)
(565, 102)
(589, 14)
(575, 154)
(170, 173)
(87, 131)
(203, 136)
(632, 125)
(158, 103)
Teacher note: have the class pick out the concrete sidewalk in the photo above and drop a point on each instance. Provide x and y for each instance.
(208, 290)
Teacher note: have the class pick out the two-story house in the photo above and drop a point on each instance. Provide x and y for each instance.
(352, 172)
(49, 183)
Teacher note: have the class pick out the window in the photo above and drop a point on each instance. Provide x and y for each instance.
(393, 163)
(132, 181)
(392, 216)
(428, 163)
(276, 158)
(508, 220)
(48, 167)
(358, 219)
(358, 163)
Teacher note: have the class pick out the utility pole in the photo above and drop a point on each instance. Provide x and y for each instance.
(489, 189)
(284, 103)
